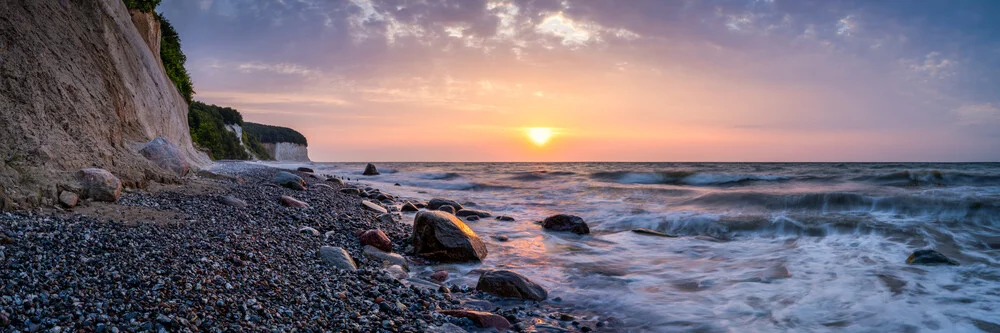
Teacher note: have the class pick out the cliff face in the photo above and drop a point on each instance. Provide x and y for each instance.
(287, 151)
(80, 87)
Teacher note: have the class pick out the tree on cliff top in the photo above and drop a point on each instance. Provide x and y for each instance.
(142, 5)
(274, 134)
(174, 59)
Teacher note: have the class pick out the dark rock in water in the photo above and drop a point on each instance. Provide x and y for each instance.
(68, 199)
(473, 212)
(376, 238)
(292, 202)
(651, 232)
(448, 209)
(505, 218)
(289, 180)
(420, 205)
(509, 284)
(439, 276)
(337, 181)
(309, 231)
(305, 169)
(233, 201)
(383, 256)
(370, 170)
(502, 238)
(100, 184)
(443, 237)
(396, 184)
(350, 190)
(563, 222)
(436, 203)
(409, 207)
(337, 257)
(373, 207)
(929, 257)
(166, 155)
(481, 319)
(472, 218)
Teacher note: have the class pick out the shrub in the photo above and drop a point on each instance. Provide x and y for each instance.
(274, 134)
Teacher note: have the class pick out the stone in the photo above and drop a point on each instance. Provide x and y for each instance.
(376, 238)
(446, 328)
(436, 203)
(409, 207)
(309, 231)
(219, 176)
(166, 155)
(509, 284)
(286, 179)
(929, 257)
(323, 186)
(292, 202)
(472, 218)
(501, 238)
(448, 209)
(370, 170)
(99, 184)
(420, 205)
(233, 201)
(443, 237)
(505, 218)
(397, 272)
(337, 181)
(382, 256)
(350, 190)
(472, 212)
(337, 257)
(305, 169)
(563, 222)
(481, 319)
(68, 199)
(644, 231)
(373, 207)
(439, 276)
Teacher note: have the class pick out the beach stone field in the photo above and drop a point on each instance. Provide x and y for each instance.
(224, 252)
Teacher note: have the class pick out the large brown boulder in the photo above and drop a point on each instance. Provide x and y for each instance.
(505, 283)
(377, 239)
(370, 170)
(563, 222)
(443, 237)
(99, 184)
(287, 179)
(166, 155)
(481, 319)
(436, 203)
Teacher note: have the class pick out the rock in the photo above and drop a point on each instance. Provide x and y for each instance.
(292, 202)
(409, 207)
(439, 276)
(396, 184)
(337, 181)
(481, 319)
(323, 186)
(370, 170)
(446, 328)
(233, 201)
(929, 257)
(563, 222)
(99, 184)
(166, 155)
(382, 256)
(443, 237)
(309, 231)
(337, 257)
(376, 238)
(305, 169)
(505, 218)
(219, 176)
(502, 238)
(447, 208)
(472, 218)
(472, 212)
(373, 207)
(350, 190)
(68, 199)
(436, 203)
(509, 284)
(397, 272)
(651, 232)
(289, 180)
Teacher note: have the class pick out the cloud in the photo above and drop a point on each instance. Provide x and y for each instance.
(978, 114)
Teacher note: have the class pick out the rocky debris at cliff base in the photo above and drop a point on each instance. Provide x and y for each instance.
(436, 203)
(289, 180)
(509, 284)
(99, 184)
(564, 222)
(68, 199)
(166, 155)
(370, 170)
(644, 231)
(930, 258)
(443, 237)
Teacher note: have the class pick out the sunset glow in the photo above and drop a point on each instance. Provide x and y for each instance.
(539, 135)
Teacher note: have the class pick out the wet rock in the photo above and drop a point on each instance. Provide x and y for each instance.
(376, 238)
(505, 218)
(472, 218)
(502, 238)
(309, 231)
(436, 203)
(509, 284)
(287, 179)
(219, 176)
(439, 276)
(651, 232)
(443, 237)
(292, 202)
(305, 169)
(447, 208)
(323, 186)
(373, 207)
(472, 212)
(929, 257)
(409, 207)
(446, 328)
(397, 272)
(99, 184)
(337, 257)
(370, 170)
(232, 201)
(350, 190)
(166, 155)
(68, 199)
(481, 319)
(337, 181)
(563, 222)
(383, 256)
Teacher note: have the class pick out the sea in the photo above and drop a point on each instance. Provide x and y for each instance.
(760, 247)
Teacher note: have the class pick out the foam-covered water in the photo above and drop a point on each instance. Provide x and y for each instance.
(764, 247)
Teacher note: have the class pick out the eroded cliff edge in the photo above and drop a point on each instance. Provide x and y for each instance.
(79, 87)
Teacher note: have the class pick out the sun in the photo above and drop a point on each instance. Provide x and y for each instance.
(539, 135)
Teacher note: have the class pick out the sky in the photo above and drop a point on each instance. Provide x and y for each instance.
(686, 80)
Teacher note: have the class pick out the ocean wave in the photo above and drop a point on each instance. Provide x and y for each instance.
(930, 178)
(457, 186)
(532, 176)
(683, 178)
(439, 175)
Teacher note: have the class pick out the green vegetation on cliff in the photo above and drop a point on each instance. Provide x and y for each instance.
(274, 134)
(173, 59)
(208, 131)
(142, 5)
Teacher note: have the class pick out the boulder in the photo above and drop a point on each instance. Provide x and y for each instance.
(397, 272)
(68, 199)
(337, 257)
(501, 238)
(446, 328)
(99, 184)
(289, 180)
(439, 276)
(337, 181)
(166, 155)
(292, 202)
(219, 176)
(563, 222)
(509, 284)
(323, 186)
(232, 201)
(370, 170)
(436, 203)
(376, 238)
(382, 256)
(305, 169)
(350, 190)
(409, 207)
(309, 231)
(929, 257)
(420, 205)
(373, 207)
(443, 237)
(472, 212)
(505, 218)
(651, 232)
(472, 218)
(448, 209)
(481, 319)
